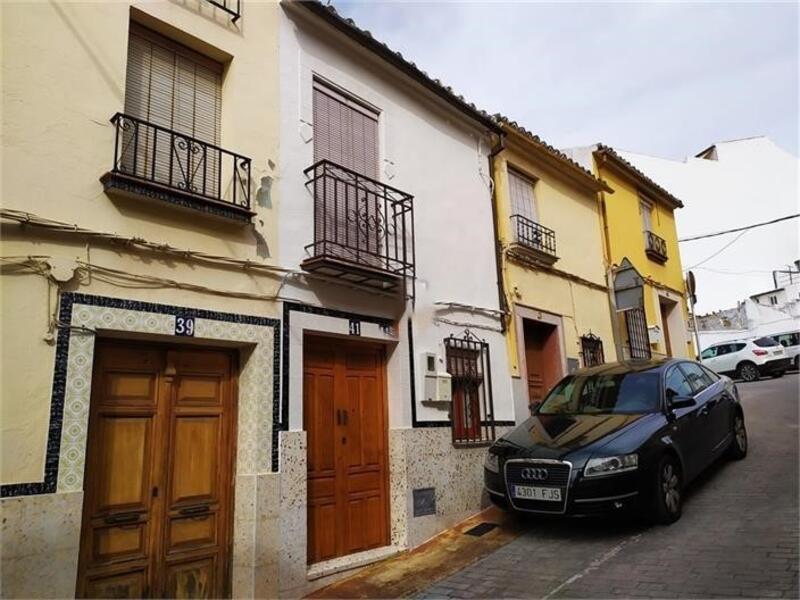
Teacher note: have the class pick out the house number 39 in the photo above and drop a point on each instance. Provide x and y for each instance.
(184, 326)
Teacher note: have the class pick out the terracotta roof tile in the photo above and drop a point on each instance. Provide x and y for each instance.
(608, 150)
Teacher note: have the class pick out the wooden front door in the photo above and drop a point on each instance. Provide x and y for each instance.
(542, 359)
(345, 416)
(159, 474)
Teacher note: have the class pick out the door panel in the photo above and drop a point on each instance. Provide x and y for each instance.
(192, 579)
(129, 584)
(345, 416)
(159, 473)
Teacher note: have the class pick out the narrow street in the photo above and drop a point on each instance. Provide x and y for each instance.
(738, 536)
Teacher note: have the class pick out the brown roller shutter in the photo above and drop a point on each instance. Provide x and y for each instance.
(173, 87)
(345, 132)
(351, 213)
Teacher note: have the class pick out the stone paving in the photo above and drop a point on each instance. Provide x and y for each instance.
(738, 536)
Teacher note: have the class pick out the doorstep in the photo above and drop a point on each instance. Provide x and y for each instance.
(407, 573)
(351, 561)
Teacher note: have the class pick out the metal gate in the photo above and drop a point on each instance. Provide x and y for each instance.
(638, 339)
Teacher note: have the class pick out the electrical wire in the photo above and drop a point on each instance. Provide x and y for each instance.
(708, 258)
(737, 229)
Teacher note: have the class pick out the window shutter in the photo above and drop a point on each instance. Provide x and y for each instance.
(345, 132)
(172, 86)
(521, 192)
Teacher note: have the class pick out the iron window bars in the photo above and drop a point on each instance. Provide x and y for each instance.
(472, 414)
(360, 220)
(592, 350)
(232, 7)
(168, 161)
(534, 236)
(638, 338)
(655, 246)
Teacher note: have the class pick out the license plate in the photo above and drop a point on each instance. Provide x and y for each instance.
(776, 352)
(537, 493)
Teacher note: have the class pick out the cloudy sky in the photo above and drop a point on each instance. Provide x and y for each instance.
(666, 79)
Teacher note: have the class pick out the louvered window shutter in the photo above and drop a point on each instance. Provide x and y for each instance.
(173, 87)
(521, 193)
(348, 215)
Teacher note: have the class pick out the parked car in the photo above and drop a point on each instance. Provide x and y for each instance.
(791, 345)
(616, 438)
(747, 360)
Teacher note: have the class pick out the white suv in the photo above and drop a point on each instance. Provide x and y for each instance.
(747, 360)
(791, 345)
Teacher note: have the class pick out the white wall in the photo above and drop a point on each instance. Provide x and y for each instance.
(426, 150)
(753, 180)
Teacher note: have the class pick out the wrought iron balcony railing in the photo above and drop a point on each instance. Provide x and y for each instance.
(232, 7)
(534, 237)
(153, 161)
(655, 247)
(363, 229)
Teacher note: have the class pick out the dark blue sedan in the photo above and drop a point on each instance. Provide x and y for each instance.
(618, 437)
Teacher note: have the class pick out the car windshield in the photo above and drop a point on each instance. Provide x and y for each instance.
(765, 342)
(623, 393)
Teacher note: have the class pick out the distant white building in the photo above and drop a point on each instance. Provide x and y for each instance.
(727, 185)
(772, 312)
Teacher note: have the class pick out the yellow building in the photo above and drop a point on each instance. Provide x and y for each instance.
(645, 265)
(549, 229)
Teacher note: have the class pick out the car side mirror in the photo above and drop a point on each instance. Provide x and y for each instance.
(677, 402)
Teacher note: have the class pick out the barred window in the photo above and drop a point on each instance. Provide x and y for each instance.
(472, 414)
(592, 350)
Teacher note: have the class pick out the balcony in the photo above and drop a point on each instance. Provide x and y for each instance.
(363, 229)
(153, 162)
(232, 7)
(655, 247)
(532, 241)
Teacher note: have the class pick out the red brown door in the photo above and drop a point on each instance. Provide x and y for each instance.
(542, 359)
(345, 417)
(159, 468)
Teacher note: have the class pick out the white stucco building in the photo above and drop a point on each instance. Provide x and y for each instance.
(727, 185)
(368, 201)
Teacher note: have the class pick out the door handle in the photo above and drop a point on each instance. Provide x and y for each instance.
(120, 518)
(194, 510)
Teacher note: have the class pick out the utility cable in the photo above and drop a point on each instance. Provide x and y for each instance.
(736, 229)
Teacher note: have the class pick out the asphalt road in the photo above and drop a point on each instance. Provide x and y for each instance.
(738, 536)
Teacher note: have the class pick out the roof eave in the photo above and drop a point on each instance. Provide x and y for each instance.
(609, 156)
(384, 52)
(575, 172)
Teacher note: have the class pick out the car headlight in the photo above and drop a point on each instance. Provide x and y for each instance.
(609, 465)
(492, 462)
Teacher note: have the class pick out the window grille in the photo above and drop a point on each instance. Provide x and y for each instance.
(472, 414)
(592, 350)
(638, 338)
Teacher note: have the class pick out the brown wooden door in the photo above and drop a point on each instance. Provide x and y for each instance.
(159, 468)
(542, 359)
(345, 417)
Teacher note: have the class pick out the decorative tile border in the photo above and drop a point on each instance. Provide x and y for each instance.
(69, 407)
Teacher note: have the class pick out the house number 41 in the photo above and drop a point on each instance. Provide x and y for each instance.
(184, 326)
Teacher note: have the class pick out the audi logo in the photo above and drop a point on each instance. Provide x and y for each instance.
(533, 474)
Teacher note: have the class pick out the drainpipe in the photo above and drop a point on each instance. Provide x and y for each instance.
(612, 301)
(498, 259)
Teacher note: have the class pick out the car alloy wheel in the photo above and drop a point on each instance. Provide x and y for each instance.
(738, 447)
(748, 372)
(670, 488)
(667, 492)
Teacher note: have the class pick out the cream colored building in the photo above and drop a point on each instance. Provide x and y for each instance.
(171, 254)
